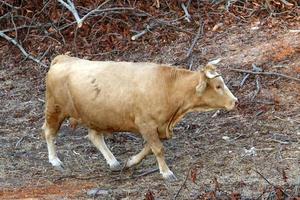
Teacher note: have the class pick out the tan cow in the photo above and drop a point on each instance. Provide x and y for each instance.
(143, 98)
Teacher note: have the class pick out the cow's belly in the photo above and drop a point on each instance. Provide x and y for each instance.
(105, 119)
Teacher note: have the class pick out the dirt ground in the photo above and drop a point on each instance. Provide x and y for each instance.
(210, 152)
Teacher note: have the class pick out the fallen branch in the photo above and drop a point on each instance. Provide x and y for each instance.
(186, 12)
(71, 7)
(140, 34)
(27, 55)
(265, 73)
(271, 183)
(199, 33)
(146, 173)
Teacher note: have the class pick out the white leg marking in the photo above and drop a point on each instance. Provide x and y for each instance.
(168, 175)
(53, 159)
(98, 140)
(164, 170)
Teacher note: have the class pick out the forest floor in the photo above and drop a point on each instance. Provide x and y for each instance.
(252, 152)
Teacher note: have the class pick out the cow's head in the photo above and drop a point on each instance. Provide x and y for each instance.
(213, 92)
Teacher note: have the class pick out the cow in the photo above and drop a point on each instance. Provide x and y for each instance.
(142, 98)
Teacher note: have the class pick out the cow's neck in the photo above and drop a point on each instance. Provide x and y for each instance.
(184, 91)
(183, 96)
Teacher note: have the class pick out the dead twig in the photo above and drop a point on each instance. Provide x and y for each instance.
(9, 5)
(265, 102)
(20, 140)
(151, 171)
(287, 3)
(146, 30)
(75, 177)
(184, 182)
(254, 69)
(271, 183)
(191, 63)
(71, 7)
(15, 27)
(264, 178)
(265, 73)
(26, 26)
(155, 24)
(257, 88)
(186, 12)
(27, 55)
(279, 141)
(295, 31)
(199, 33)
(244, 80)
(41, 100)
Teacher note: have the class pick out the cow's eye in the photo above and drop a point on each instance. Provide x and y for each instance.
(219, 87)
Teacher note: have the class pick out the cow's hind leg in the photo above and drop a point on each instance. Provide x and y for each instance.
(98, 140)
(53, 120)
(136, 159)
(151, 136)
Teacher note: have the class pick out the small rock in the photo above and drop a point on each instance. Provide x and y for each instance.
(294, 31)
(217, 27)
(96, 191)
(250, 152)
(226, 138)
(254, 28)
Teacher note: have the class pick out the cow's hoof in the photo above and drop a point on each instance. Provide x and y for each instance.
(57, 164)
(169, 176)
(115, 167)
(59, 168)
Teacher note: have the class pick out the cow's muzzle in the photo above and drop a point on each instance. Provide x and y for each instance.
(232, 103)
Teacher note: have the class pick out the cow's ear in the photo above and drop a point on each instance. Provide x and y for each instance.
(201, 87)
(210, 71)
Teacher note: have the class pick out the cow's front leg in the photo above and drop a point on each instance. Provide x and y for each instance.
(98, 140)
(136, 159)
(157, 148)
